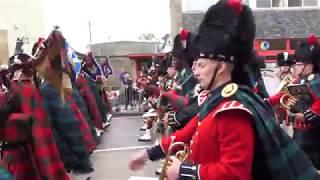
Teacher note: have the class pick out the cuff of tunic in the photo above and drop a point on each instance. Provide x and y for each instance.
(155, 153)
(189, 171)
(173, 120)
(310, 116)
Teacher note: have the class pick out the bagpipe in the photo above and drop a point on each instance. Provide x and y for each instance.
(50, 61)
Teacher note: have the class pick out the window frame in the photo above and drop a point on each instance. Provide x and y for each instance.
(253, 4)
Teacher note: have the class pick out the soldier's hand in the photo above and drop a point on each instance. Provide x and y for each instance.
(165, 121)
(174, 168)
(138, 160)
(299, 117)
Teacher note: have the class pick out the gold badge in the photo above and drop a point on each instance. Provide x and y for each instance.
(310, 77)
(229, 90)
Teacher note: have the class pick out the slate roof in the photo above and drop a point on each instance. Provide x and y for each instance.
(272, 24)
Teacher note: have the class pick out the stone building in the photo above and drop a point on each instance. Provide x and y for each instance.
(19, 19)
(280, 23)
(120, 53)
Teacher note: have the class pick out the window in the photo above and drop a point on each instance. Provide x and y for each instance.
(310, 3)
(277, 44)
(263, 3)
(283, 3)
(277, 3)
(294, 3)
(295, 42)
(270, 3)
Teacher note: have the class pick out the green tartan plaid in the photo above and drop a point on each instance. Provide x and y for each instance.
(95, 90)
(42, 149)
(283, 157)
(262, 89)
(315, 84)
(83, 107)
(277, 156)
(67, 130)
(308, 141)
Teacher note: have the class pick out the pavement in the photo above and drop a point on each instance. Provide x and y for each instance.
(118, 144)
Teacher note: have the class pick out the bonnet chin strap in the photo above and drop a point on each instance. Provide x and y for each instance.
(304, 67)
(214, 76)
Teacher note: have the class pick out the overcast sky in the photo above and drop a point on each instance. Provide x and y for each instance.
(112, 20)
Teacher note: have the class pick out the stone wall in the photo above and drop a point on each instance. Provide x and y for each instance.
(4, 49)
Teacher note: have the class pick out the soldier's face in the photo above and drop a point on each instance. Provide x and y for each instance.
(193, 67)
(302, 69)
(177, 63)
(171, 72)
(204, 71)
(297, 69)
(284, 69)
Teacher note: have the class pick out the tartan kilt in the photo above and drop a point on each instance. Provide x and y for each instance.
(309, 142)
(28, 157)
(90, 101)
(84, 110)
(19, 162)
(101, 106)
(84, 127)
(68, 136)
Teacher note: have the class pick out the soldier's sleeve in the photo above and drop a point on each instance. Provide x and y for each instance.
(236, 150)
(178, 102)
(275, 99)
(184, 135)
(185, 115)
(152, 90)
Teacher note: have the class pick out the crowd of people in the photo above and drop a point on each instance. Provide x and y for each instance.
(209, 95)
(52, 117)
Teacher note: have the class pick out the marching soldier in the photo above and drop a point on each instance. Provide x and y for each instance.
(91, 70)
(28, 145)
(254, 68)
(183, 54)
(306, 111)
(234, 136)
(182, 95)
(72, 135)
(284, 62)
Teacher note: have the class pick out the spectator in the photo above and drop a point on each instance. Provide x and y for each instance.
(122, 76)
(128, 91)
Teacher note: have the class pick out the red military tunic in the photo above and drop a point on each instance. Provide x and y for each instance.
(221, 145)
